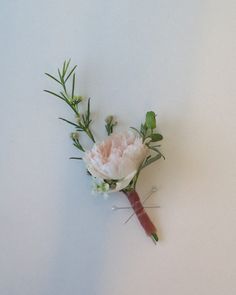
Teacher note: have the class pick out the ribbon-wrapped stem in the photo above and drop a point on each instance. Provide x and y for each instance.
(141, 214)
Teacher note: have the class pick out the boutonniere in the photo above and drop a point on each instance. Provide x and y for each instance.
(115, 162)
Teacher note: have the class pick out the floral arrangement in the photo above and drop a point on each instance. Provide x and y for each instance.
(116, 162)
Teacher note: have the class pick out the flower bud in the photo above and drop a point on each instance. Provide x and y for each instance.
(110, 120)
(150, 120)
(77, 99)
(74, 135)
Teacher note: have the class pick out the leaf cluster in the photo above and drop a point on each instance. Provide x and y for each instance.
(150, 137)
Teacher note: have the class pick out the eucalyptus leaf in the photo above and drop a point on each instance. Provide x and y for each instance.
(156, 137)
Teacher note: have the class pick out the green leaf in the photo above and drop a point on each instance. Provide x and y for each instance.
(67, 65)
(53, 93)
(88, 112)
(70, 73)
(73, 86)
(83, 120)
(62, 94)
(60, 76)
(75, 158)
(143, 129)
(156, 137)
(63, 68)
(156, 150)
(55, 79)
(71, 123)
(150, 120)
(151, 160)
(79, 146)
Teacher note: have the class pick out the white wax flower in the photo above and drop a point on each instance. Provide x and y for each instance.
(118, 157)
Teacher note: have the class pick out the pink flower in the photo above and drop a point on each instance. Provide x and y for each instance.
(118, 158)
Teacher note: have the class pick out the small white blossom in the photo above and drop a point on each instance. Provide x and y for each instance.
(100, 186)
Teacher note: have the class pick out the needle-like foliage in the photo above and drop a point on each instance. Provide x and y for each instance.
(82, 120)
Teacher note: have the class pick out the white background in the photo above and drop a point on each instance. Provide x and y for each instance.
(174, 57)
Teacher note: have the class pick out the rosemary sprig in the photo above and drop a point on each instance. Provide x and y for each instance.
(83, 121)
